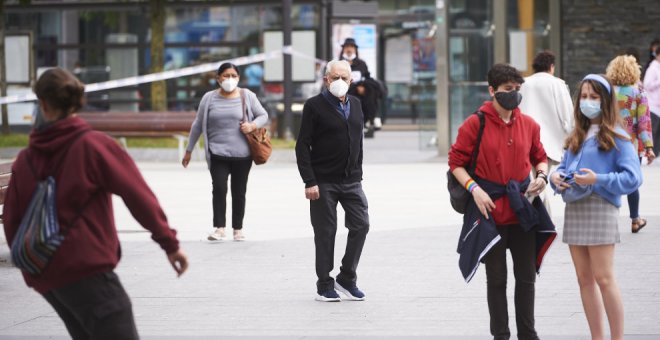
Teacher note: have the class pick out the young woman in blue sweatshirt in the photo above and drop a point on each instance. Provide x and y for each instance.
(600, 158)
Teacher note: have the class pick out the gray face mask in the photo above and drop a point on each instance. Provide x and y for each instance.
(39, 122)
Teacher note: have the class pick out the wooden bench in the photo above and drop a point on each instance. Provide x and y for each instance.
(5, 175)
(175, 124)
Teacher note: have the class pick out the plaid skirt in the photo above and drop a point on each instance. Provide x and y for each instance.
(591, 221)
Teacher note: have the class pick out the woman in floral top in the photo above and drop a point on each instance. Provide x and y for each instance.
(624, 73)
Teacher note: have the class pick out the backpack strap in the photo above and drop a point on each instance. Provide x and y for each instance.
(475, 151)
(246, 117)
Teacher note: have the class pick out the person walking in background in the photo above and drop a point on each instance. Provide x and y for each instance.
(220, 119)
(329, 155)
(510, 146)
(624, 73)
(654, 43)
(88, 166)
(546, 99)
(601, 162)
(652, 88)
(363, 86)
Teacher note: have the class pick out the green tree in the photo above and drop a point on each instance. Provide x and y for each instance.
(158, 88)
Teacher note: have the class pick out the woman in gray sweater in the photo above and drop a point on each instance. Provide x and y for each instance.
(221, 121)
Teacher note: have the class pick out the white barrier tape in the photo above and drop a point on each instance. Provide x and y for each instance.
(291, 51)
(182, 72)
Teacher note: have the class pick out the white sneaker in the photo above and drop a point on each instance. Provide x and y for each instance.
(238, 235)
(217, 235)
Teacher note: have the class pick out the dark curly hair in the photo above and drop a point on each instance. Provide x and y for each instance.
(503, 73)
(543, 61)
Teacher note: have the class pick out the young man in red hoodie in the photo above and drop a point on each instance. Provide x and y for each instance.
(88, 166)
(510, 146)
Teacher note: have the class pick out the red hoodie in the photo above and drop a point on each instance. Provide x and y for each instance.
(94, 168)
(508, 151)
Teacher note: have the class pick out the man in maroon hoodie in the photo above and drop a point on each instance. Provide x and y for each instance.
(88, 167)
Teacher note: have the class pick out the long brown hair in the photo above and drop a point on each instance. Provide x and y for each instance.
(61, 90)
(610, 118)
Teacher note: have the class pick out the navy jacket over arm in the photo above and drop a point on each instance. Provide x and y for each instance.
(479, 234)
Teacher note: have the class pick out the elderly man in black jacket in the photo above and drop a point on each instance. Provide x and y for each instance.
(329, 154)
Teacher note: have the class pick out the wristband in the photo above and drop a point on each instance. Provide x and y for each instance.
(470, 185)
(542, 176)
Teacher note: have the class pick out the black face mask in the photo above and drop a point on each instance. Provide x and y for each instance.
(508, 100)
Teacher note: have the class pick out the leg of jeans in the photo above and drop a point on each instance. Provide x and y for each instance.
(633, 204)
(101, 305)
(496, 273)
(219, 175)
(523, 253)
(323, 212)
(73, 325)
(354, 202)
(240, 170)
(655, 126)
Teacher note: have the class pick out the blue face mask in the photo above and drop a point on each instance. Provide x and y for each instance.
(590, 108)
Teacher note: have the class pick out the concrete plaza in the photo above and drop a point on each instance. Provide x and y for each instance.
(264, 287)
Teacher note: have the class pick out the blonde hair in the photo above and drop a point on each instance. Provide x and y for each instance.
(623, 70)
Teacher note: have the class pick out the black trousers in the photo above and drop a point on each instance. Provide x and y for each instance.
(523, 252)
(96, 307)
(239, 169)
(323, 214)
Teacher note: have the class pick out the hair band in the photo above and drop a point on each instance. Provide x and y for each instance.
(600, 79)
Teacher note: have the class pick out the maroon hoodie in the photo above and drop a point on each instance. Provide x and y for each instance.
(94, 168)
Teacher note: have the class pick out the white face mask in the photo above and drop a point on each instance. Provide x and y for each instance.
(348, 56)
(229, 84)
(338, 88)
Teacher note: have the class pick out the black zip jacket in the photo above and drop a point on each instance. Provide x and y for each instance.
(329, 147)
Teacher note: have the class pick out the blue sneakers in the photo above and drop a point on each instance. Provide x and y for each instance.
(353, 293)
(328, 296)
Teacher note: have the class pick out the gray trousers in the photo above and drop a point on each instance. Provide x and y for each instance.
(323, 212)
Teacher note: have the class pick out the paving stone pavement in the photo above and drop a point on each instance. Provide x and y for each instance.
(264, 287)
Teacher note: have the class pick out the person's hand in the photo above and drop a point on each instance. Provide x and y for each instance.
(360, 90)
(179, 262)
(558, 181)
(186, 159)
(312, 193)
(247, 127)
(588, 178)
(483, 201)
(536, 187)
(650, 155)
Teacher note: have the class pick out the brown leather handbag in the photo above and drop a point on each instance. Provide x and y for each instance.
(258, 140)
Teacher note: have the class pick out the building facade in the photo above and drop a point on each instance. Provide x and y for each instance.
(433, 55)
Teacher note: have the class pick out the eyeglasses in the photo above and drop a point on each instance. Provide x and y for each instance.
(337, 77)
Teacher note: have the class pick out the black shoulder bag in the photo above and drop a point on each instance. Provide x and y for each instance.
(458, 196)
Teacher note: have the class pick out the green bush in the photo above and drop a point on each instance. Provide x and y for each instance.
(20, 140)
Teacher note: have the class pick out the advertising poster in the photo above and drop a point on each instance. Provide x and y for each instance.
(365, 38)
(424, 57)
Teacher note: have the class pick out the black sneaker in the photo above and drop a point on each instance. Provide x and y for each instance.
(328, 296)
(353, 293)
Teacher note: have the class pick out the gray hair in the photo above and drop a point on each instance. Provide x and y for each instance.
(337, 64)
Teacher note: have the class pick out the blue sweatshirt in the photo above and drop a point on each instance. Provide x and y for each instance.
(617, 170)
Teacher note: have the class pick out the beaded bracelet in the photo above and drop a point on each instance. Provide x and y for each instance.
(470, 185)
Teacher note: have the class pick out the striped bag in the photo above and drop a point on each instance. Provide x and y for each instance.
(39, 234)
